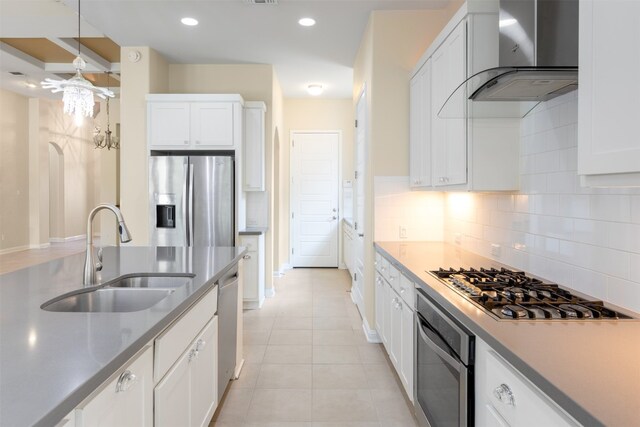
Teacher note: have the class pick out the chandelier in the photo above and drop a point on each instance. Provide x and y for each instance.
(77, 91)
(107, 140)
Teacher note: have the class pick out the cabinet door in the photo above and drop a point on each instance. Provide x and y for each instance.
(250, 286)
(126, 401)
(407, 346)
(608, 106)
(204, 375)
(172, 396)
(449, 137)
(395, 329)
(212, 124)
(420, 128)
(254, 155)
(169, 124)
(380, 306)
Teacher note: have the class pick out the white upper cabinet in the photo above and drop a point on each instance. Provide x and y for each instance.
(420, 128)
(456, 151)
(194, 122)
(254, 146)
(608, 109)
(212, 124)
(449, 140)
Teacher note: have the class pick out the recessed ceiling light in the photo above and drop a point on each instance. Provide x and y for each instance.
(307, 22)
(31, 85)
(189, 21)
(314, 90)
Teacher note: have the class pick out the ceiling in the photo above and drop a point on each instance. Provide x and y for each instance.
(230, 31)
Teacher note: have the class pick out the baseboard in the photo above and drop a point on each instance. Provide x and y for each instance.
(371, 334)
(236, 373)
(40, 246)
(252, 304)
(14, 249)
(67, 239)
(270, 293)
(342, 266)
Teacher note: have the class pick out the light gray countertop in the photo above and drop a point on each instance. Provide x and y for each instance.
(51, 361)
(589, 368)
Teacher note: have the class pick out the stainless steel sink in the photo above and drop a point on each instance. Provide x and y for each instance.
(132, 292)
(109, 300)
(148, 281)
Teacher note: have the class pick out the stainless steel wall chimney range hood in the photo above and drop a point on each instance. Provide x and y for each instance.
(537, 61)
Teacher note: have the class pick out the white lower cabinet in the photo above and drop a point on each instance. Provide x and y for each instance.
(127, 400)
(254, 270)
(504, 397)
(394, 319)
(187, 395)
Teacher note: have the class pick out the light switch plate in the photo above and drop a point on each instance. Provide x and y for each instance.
(403, 232)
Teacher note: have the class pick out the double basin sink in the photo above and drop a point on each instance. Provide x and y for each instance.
(133, 292)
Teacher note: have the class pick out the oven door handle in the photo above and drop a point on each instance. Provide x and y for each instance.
(455, 364)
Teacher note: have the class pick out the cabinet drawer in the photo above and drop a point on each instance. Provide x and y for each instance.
(394, 278)
(378, 261)
(407, 290)
(249, 242)
(384, 268)
(124, 401)
(173, 342)
(518, 401)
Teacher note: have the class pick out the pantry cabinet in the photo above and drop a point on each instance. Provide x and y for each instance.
(395, 319)
(454, 149)
(194, 122)
(504, 397)
(608, 111)
(254, 146)
(127, 400)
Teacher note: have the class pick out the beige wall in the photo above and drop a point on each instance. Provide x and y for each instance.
(148, 75)
(311, 114)
(392, 44)
(14, 170)
(279, 142)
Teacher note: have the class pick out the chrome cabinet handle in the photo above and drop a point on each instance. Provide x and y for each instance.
(391, 278)
(402, 290)
(193, 354)
(504, 394)
(126, 380)
(200, 345)
(186, 143)
(198, 142)
(246, 256)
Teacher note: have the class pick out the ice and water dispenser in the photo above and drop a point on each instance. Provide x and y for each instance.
(165, 216)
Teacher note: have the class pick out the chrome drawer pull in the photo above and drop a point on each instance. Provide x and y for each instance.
(504, 394)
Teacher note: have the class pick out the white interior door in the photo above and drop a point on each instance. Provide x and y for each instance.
(314, 190)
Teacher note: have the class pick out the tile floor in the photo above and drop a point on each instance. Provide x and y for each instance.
(307, 362)
(17, 260)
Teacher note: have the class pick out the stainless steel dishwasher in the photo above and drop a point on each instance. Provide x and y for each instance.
(228, 327)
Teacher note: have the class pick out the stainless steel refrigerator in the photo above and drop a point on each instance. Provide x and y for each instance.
(191, 201)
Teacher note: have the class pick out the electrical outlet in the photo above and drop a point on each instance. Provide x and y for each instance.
(457, 238)
(403, 232)
(495, 249)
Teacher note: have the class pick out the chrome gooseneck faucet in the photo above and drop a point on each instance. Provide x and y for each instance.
(91, 266)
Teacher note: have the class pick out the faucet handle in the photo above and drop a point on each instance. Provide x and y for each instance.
(100, 254)
(98, 266)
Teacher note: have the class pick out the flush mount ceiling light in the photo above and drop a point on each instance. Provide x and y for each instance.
(314, 90)
(77, 91)
(191, 22)
(307, 22)
(507, 22)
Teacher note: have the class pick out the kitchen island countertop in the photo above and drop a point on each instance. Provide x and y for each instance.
(51, 361)
(589, 368)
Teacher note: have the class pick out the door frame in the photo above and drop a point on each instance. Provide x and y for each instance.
(292, 193)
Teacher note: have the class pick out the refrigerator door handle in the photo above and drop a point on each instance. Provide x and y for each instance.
(185, 204)
(190, 211)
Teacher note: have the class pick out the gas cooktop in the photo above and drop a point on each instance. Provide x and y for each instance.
(508, 294)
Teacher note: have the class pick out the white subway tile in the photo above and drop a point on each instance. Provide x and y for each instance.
(561, 182)
(624, 293)
(575, 206)
(590, 232)
(611, 207)
(635, 209)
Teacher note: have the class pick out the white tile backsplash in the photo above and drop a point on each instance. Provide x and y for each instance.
(585, 238)
(396, 205)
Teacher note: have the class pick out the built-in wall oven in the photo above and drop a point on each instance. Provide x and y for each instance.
(444, 367)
